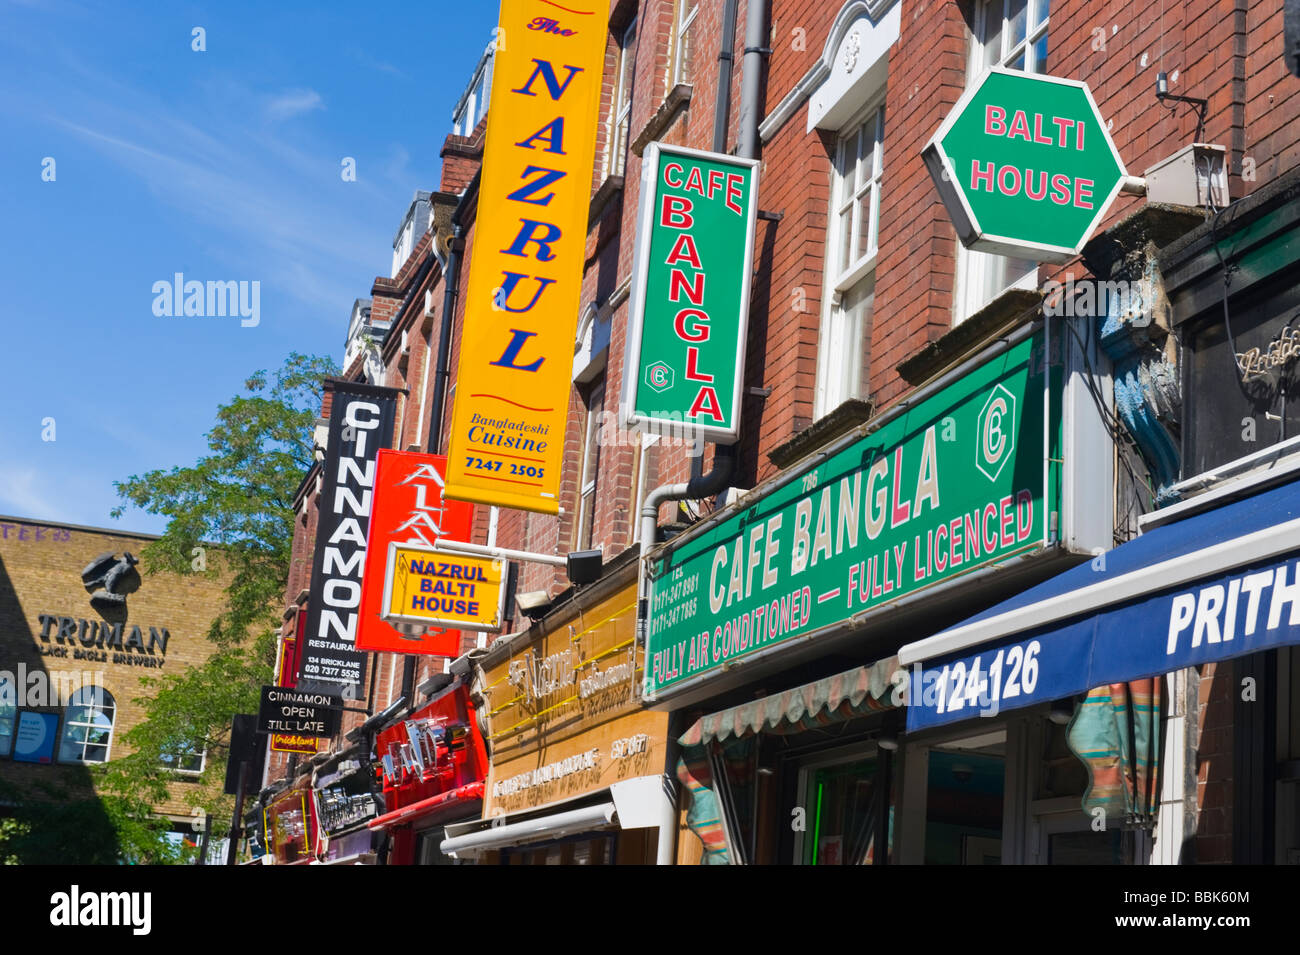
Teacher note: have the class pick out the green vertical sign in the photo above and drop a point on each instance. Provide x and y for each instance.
(951, 485)
(690, 293)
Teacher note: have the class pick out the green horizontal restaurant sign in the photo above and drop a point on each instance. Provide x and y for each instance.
(950, 485)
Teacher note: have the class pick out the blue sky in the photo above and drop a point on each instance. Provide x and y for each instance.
(223, 165)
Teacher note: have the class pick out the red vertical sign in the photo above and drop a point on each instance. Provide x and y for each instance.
(288, 675)
(408, 508)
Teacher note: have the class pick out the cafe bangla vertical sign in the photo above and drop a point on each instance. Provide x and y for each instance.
(361, 422)
(690, 299)
(952, 484)
(1025, 165)
(506, 441)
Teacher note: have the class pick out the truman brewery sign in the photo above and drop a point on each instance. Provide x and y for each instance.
(951, 485)
(1025, 166)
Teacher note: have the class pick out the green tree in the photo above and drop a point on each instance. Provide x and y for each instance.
(231, 512)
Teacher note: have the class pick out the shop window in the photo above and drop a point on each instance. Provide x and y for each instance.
(964, 801)
(843, 805)
(594, 849)
(1061, 832)
(88, 726)
(683, 68)
(621, 114)
(1012, 34)
(851, 244)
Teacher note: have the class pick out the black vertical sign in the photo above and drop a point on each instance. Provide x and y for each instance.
(361, 422)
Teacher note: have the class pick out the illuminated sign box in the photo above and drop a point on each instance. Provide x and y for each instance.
(428, 587)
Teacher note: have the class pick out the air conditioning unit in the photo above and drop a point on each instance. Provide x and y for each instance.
(1196, 175)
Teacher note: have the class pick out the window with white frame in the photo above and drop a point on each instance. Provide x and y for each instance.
(185, 758)
(1011, 34)
(683, 68)
(590, 465)
(88, 726)
(473, 103)
(852, 238)
(621, 114)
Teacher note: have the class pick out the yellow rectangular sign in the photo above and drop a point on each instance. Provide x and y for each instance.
(425, 586)
(293, 743)
(506, 442)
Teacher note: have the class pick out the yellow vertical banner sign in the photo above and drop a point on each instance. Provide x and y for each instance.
(506, 442)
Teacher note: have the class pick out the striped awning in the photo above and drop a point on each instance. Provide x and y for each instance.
(844, 696)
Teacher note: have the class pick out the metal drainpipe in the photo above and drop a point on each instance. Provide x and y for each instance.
(723, 459)
(451, 283)
(724, 456)
(451, 290)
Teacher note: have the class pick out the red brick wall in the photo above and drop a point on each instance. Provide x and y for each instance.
(1214, 766)
(1225, 50)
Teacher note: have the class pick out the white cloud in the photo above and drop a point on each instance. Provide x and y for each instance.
(23, 494)
(292, 103)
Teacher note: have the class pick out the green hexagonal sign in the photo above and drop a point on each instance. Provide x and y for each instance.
(1025, 165)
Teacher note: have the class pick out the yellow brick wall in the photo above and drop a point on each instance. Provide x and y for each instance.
(40, 573)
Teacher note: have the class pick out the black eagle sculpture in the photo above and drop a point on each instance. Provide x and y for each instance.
(111, 579)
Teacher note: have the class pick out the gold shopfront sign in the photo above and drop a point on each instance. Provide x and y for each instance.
(564, 713)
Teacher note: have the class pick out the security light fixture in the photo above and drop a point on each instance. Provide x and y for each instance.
(584, 566)
(533, 604)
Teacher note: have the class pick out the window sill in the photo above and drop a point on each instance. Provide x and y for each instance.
(678, 98)
(822, 432)
(1003, 313)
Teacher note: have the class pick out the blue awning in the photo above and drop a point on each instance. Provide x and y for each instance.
(1210, 587)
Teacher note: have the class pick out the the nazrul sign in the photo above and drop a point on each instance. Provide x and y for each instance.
(953, 484)
(690, 292)
(525, 278)
(1025, 165)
